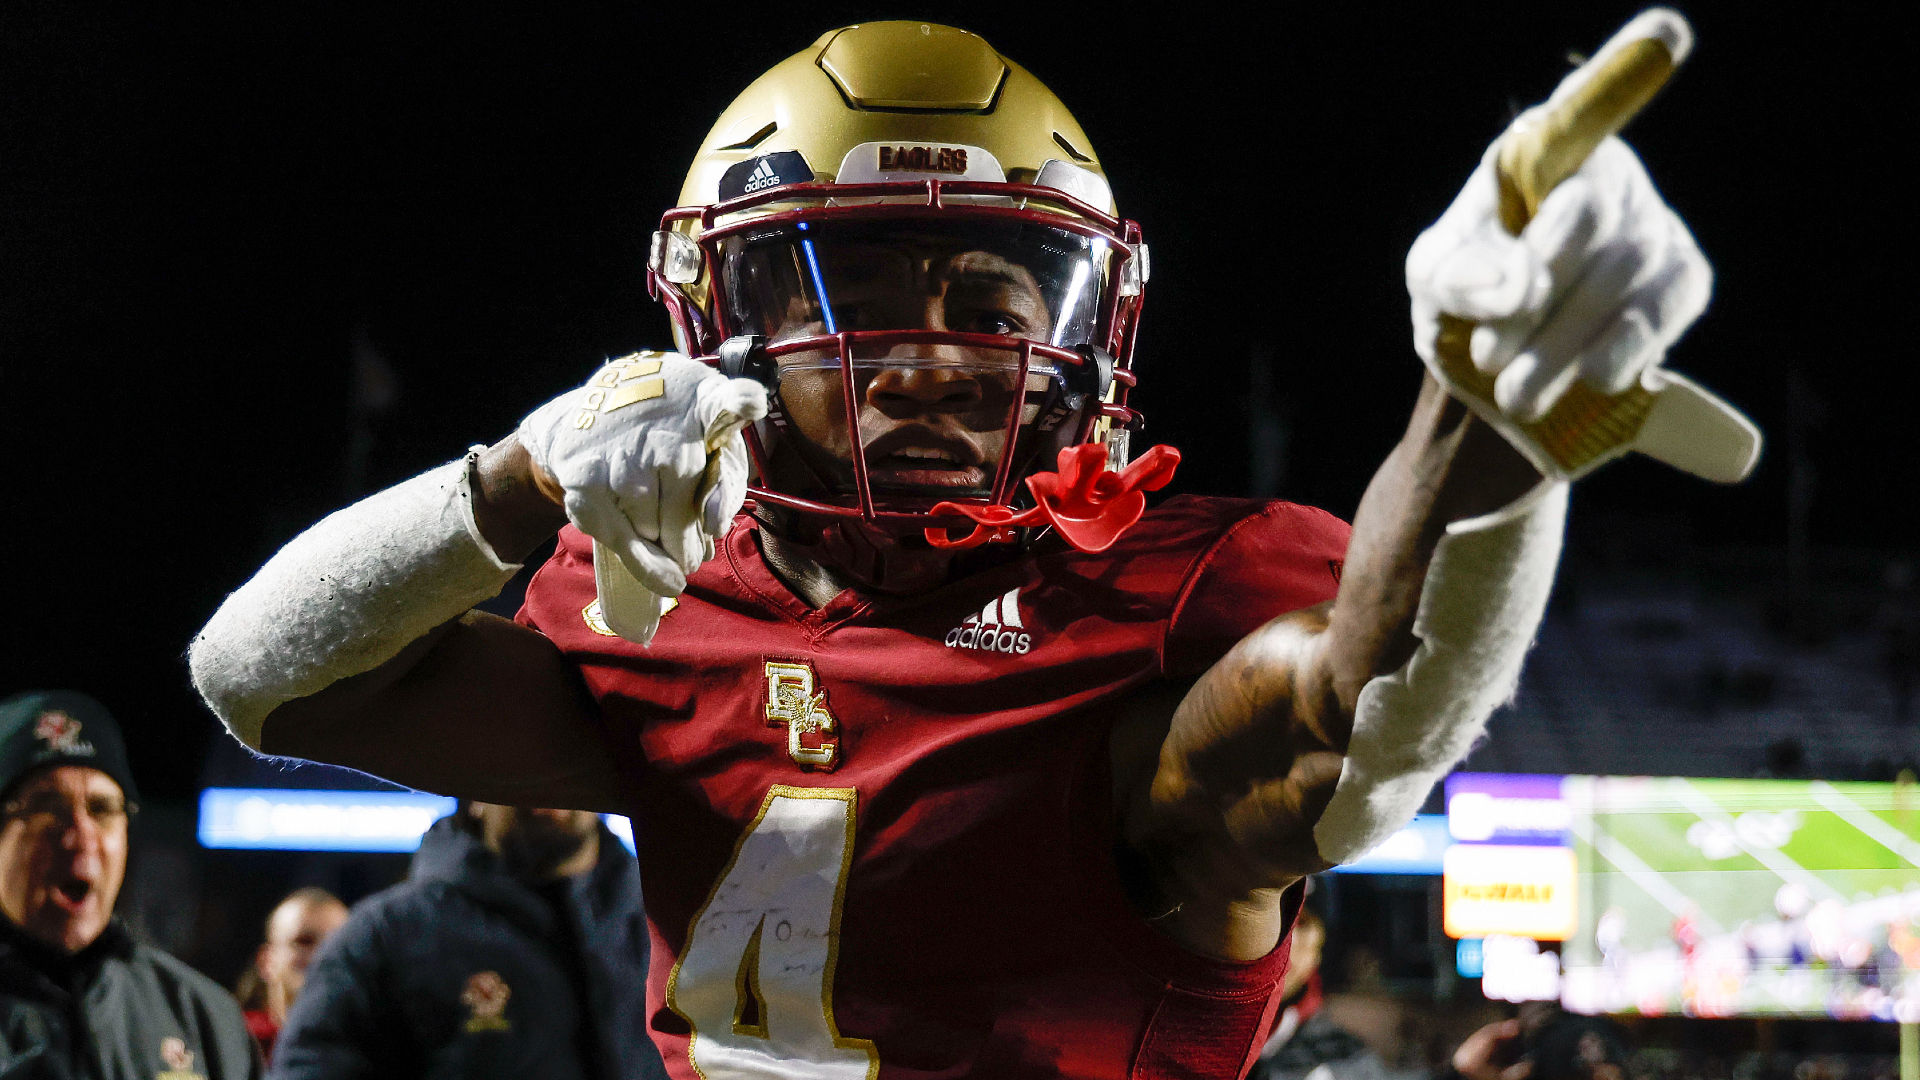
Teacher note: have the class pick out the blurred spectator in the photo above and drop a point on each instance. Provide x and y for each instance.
(515, 948)
(1544, 1043)
(78, 996)
(295, 930)
(1306, 1041)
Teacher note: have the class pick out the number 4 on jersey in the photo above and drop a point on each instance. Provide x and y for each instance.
(755, 980)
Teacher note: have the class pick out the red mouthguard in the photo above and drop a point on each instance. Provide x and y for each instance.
(1089, 505)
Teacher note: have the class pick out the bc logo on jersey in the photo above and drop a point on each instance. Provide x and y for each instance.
(794, 704)
(997, 628)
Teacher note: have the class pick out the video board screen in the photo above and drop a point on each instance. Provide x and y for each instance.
(273, 819)
(286, 819)
(1743, 898)
(1510, 870)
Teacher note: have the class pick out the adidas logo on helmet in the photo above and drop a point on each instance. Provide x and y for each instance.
(997, 628)
(763, 177)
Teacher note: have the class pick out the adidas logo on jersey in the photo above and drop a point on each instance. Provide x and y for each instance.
(997, 628)
(763, 177)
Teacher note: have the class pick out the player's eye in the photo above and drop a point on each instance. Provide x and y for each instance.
(989, 321)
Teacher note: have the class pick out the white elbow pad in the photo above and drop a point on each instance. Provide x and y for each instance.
(345, 597)
(1485, 592)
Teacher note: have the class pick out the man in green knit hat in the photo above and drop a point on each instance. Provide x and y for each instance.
(78, 996)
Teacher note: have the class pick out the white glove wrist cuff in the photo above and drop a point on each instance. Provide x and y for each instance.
(345, 597)
(1485, 592)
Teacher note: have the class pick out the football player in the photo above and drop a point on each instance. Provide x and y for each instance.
(947, 758)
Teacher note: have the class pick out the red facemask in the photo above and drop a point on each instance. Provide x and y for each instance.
(927, 356)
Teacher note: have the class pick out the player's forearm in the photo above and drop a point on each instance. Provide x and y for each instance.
(1448, 467)
(1255, 751)
(516, 506)
(1450, 566)
(345, 597)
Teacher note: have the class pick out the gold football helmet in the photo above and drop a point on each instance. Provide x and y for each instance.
(910, 241)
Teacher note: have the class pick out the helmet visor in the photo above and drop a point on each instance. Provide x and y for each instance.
(1012, 278)
(931, 418)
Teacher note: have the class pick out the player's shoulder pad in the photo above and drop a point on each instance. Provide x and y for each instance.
(1265, 559)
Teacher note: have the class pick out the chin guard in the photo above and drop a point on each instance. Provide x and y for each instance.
(1087, 504)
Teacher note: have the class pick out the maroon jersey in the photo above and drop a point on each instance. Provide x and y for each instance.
(877, 838)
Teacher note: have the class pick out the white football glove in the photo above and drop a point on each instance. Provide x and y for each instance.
(1597, 287)
(650, 455)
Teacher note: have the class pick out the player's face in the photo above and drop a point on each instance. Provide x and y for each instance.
(938, 425)
(63, 854)
(933, 419)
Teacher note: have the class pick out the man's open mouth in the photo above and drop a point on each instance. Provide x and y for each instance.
(924, 463)
(72, 893)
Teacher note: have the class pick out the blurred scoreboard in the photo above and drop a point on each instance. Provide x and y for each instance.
(1745, 898)
(1511, 868)
(1701, 897)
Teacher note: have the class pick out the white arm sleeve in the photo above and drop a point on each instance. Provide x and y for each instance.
(1485, 592)
(345, 597)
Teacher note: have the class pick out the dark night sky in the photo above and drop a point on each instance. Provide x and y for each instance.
(201, 206)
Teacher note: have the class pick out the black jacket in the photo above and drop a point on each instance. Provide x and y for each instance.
(116, 1010)
(462, 971)
(1320, 1046)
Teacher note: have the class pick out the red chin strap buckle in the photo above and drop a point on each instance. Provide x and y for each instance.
(1088, 505)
